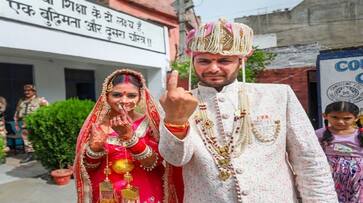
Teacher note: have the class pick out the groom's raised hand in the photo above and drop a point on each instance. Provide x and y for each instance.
(177, 103)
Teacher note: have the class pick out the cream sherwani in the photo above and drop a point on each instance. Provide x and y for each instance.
(262, 171)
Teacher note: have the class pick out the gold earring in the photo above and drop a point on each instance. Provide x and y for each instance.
(109, 87)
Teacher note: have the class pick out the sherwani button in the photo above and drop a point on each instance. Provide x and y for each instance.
(225, 116)
(245, 192)
(239, 171)
(221, 99)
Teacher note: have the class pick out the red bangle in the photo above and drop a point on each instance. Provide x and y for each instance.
(138, 147)
(185, 125)
(174, 128)
(177, 130)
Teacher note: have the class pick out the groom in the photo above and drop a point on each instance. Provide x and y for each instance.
(231, 138)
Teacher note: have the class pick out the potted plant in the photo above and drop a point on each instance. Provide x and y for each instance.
(53, 133)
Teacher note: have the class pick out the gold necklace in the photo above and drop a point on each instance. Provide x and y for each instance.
(241, 136)
(221, 153)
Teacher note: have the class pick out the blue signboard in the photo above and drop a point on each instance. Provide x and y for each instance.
(340, 77)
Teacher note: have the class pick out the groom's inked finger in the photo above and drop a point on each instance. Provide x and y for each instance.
(173, 81)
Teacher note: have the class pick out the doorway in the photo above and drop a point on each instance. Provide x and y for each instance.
(313, 99)
(13, 77)
(80, 84)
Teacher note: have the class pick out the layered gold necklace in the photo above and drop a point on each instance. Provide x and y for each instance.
(221, 153)
(232, 145)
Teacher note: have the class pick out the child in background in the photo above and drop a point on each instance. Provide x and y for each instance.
(342, 142)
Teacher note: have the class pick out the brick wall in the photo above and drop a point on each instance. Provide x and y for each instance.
(297, 78)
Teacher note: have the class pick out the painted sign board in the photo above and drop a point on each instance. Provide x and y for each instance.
(87, 19)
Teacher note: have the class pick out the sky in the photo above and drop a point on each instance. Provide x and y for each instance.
(211, 10)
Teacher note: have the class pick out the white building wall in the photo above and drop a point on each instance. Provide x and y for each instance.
(50, 51)
(304, 55)
(26, 37)
(49, 80)
(264, 41)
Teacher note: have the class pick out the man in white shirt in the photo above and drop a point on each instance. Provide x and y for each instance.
(231, 138)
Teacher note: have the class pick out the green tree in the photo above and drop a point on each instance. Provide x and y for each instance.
(183, 68)
(255, 64)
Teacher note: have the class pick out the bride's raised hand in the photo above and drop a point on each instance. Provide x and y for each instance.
(122, 125)
(97, 138)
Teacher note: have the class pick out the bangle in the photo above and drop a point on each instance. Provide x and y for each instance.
(174, 128)
(143, 155)
(94, 155)
(177, 130)
(138, 148)
(171, 125)
(150, 168)
(132, 141)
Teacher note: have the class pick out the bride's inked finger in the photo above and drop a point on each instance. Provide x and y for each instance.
(120, 108)
(123, 117)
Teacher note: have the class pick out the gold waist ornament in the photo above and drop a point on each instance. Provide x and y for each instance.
(130, 194)
(122, 166)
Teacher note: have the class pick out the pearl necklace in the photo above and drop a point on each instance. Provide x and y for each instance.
(264, 138)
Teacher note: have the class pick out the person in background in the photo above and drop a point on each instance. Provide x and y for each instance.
(2, 123)
(26, 105)
(342, 142)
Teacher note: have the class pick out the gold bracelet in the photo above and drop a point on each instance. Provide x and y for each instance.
(152, 166)
(92, 154)
(132, 141)
(148, 152)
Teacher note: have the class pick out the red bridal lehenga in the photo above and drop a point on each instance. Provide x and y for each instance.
(161, 184)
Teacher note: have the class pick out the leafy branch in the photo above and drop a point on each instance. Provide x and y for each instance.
(254, 65)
